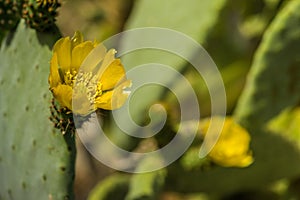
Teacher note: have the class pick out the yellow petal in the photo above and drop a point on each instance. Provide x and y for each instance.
(112, 75)
(93, 58)
(245, 161)
(232, 148)
(76, 39)
(107, 60)
(234, 161)
(63, 94)
(80, 52)
(63, 49)
(114, 99)
(54, 78)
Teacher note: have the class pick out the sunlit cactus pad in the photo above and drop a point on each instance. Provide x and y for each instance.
(35, 162)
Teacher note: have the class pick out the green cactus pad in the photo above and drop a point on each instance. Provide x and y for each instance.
(35, 160)
(113, 187)
(275, 158)
(274, 80)
(147, 186)
(138, 186)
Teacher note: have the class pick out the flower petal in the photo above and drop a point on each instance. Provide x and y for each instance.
(112, 75)
(243, 160)
(63, 94)
(93, 58)
(80, 52)
(54, 78)
(232, 149)
(114, 99)
(63, 49)
(107, 60)
(76, 39)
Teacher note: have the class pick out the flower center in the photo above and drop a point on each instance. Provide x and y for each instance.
(84, 83)
(70, 77)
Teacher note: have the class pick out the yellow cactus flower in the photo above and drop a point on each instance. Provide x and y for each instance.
(99, 83)
(232, 146)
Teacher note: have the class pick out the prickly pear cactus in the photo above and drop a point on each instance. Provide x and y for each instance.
(138, 186)
(274, 79)
(36, 160)
(273, 85)
(40, 14)
(9, 14)
(113, 187)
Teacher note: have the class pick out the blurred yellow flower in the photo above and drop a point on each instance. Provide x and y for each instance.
(100, 83)
(232, 146)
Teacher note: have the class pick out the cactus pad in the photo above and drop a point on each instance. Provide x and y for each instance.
(274, 79)
(35, 161)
